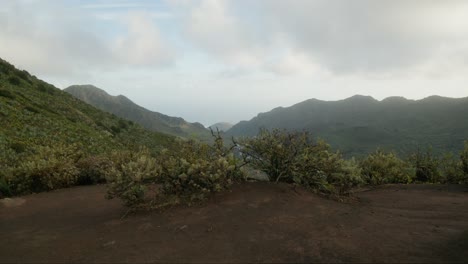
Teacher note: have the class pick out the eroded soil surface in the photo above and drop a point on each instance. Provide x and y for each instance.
(255, 222)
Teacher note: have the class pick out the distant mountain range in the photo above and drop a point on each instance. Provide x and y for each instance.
(123, 107)
(360, 124)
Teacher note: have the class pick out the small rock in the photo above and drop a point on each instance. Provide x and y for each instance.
(110, 243)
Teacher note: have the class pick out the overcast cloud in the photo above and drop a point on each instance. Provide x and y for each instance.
(227, 60)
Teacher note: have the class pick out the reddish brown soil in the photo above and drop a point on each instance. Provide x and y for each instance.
(256, 222)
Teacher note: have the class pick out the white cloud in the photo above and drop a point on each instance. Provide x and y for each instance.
(344, 37)
(241, 57)
(143, 44)
(52, 39)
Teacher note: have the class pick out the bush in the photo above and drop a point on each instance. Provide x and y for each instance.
(128, 175)
(18, 147)
(31, 109)
(464, 161)
(93, 170)
(5, 190)
(189, 173)
(45, 88)
(48, 169)
(196, 170)
(426, 166)
(7, 94)
(381, 168)
(451, 169)
(295, 158)
(14, 80)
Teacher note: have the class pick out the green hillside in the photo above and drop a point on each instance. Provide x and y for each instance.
(125, 108)
(360, 124)
(41, 125)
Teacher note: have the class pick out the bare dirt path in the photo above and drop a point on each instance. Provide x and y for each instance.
(256, 222)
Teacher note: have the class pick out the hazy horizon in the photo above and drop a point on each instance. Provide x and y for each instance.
(212, 61)
(267, 110)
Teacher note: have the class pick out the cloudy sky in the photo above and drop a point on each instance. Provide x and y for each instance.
(227, 60)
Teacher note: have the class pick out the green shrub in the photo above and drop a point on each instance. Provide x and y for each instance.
(426, 165)
(5, 190)
(115, 130)
(295, 158)
(347, 177)
(128, 175)
(18, 147)
(195, 170)
(123, 124)
(14, 80)
(7, 94)
(451, 169)
(188, 173)
(31, 109)
(45, 88)
(381, 168)
(464, 160)
(48, 169)
(93, 170)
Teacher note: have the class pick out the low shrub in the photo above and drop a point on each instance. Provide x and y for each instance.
(7, 94)
(381, 168)
(188, 173)
(464, 162)
(5, 190)
(296, 158)
(93, 170)
(48, 169)
(129, 173)
(426, 165)
(14, 80)
(196, 170)
(451, 169)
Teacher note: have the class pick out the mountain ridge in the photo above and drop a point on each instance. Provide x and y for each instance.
(360, 124)
(123, 107)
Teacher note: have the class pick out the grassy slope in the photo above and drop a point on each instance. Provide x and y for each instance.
(35, 114)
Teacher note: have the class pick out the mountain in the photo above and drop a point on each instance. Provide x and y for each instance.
(360, 124)
(40, 124)
(123, 107)
(222, 126)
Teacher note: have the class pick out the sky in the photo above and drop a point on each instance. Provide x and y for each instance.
(228, 60)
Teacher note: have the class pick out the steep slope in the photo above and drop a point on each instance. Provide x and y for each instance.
(123, 107)
(221, 126)
(360, 124)
(39, 122)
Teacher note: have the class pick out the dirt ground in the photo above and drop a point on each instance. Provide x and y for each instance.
(255, 222)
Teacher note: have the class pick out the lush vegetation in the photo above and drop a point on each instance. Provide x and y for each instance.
(359, 125)
(193, 171)
(189, 173)
(49, 139)
(296, 158)
(123, 107)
